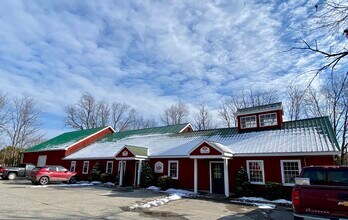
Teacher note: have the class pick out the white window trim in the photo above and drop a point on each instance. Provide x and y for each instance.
(273, 113)
(177, 168)
(282, 170)
(262, 168)
(38, 160)
(254, 116)
(119, 166)
(73, 163)
(83, 167)
(112, 166)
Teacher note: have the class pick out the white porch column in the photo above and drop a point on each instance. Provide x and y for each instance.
(195, 176)
(139, 171)
(227, 186)
(121, 174)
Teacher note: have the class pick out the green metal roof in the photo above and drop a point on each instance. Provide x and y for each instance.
(138, 151)
(272, 106)
(169, 129)
(64, 140)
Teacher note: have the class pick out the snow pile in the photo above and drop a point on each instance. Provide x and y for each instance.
(156, 202)
(108, 184)
(261, 202)
(61, 185)
(180, 192)
(153, 188)
(96, 182)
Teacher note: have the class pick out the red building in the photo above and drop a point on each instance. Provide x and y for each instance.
(271, 151)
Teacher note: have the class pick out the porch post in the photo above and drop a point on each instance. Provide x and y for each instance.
(227, 188)
(195, 176)
(121, 174)
(139, 171)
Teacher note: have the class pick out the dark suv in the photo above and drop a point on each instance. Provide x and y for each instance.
(46, 174)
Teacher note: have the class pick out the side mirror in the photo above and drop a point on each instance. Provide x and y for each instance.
(66, 171)
(302, 181)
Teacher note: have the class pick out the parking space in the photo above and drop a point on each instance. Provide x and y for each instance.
(20, 200)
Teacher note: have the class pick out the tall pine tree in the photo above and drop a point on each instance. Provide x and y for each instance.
(95, 173)
(147, 177)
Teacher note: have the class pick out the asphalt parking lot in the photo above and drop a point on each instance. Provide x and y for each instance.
(21, 200)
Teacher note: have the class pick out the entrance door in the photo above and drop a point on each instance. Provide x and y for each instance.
(217, 177)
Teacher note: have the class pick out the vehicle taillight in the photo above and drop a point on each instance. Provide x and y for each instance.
(296, 197)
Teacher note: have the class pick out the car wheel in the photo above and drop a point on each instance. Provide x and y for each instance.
(11, 176)
(72, 180)
(44, 180)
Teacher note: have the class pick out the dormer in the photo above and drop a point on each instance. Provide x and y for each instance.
(261, 117)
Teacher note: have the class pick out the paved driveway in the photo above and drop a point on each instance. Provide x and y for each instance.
(18, 199)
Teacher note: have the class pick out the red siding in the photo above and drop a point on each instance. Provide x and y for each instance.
(88, 141)
(129, 154)
(53, 157)
(213, 151)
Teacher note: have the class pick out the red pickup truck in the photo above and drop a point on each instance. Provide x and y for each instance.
(321, 193)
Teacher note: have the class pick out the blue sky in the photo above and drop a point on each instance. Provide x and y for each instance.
(149, 54)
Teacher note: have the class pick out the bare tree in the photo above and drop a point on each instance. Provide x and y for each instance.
(3, 112)
(227, 114)
(203, 118)
(329, 21)
(247, 98)
(175, 114)
(295, 97)
(332, 100)
(23, 127)
(87, 113)
(122, 115)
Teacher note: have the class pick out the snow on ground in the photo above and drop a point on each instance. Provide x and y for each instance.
(174, 194)
(81, 183)
(261, 202)
(156, 202)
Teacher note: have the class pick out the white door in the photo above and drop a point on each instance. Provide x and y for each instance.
(41, 161)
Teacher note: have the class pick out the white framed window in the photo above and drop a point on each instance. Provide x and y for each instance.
(256, 171)
(268, 119)
(173, 169)
(72, 166)
(85, 167)
(290, 170)
(248, 121)
(109, 166)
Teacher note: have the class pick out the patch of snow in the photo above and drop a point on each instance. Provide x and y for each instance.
(108, 184)
(153, 188)
(96, 182)
(180, 192)
(156, 202)
(61, 185)
(261, 202)
(282, 201)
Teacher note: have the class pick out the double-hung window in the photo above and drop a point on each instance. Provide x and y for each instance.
(85, 167)
(109, 166)
(290, 170)
(173, 169)
(73, 166)
(256, 171)
(268, 119)
(248, 121)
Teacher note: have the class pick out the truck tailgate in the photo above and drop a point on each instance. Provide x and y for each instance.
(325, 200)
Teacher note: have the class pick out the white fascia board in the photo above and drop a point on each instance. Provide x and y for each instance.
(259, 111)
(207, 142)
(209, 157)
(327, 153)
(90, 158)
(109, 127)
(188, 125)
(168, 156)
(129, 158)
